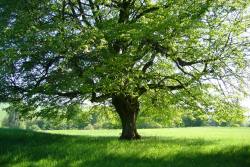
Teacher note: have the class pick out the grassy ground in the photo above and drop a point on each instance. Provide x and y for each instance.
(182, 147)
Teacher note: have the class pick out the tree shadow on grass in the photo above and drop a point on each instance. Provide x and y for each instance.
(41, 149)
(230, 157)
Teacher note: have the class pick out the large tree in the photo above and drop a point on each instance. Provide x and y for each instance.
(57, 53)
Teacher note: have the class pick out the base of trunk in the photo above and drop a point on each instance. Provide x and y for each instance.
(130, 136)
(127, 108)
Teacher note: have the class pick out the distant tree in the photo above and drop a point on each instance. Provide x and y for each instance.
(59, 53)
(225, 118)
(11, 120)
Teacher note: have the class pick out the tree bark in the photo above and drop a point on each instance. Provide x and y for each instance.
(127, 108)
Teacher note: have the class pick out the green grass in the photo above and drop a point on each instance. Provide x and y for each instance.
(175, 147)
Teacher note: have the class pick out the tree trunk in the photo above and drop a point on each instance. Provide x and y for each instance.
(127, 108)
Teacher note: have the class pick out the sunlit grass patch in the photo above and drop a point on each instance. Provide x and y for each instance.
(176, 147)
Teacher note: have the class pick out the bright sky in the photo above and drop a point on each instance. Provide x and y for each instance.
(246, 103)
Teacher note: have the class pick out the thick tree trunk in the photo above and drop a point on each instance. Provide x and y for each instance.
(127, 108)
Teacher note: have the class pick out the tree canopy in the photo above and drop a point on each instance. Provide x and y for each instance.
(59, 53)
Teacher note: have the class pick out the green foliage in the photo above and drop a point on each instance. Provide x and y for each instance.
(163, 113)
(175, 147)
(12, 120)
(104, 117)
(196, 107)
(3, 114)
(55, 55)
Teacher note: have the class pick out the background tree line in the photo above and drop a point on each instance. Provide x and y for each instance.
(104, 117)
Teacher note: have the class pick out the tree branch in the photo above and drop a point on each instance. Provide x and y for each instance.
(74, 12)
(170, 87)
(146, 11)
(96, 16)
(84, 19)
(148, 64)
(100, 98)
(63, 9)
(183, 63)
(72, 94)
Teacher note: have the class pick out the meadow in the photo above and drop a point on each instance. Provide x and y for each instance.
(171, 147)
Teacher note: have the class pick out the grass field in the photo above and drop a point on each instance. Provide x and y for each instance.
(175, 147)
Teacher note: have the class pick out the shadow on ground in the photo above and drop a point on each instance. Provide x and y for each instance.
(27, 148)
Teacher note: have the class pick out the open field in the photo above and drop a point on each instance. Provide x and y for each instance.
(173, 147)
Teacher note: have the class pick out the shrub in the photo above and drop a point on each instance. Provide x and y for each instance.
(89, 127)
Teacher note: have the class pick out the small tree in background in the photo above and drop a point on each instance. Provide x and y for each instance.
(12, 120)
